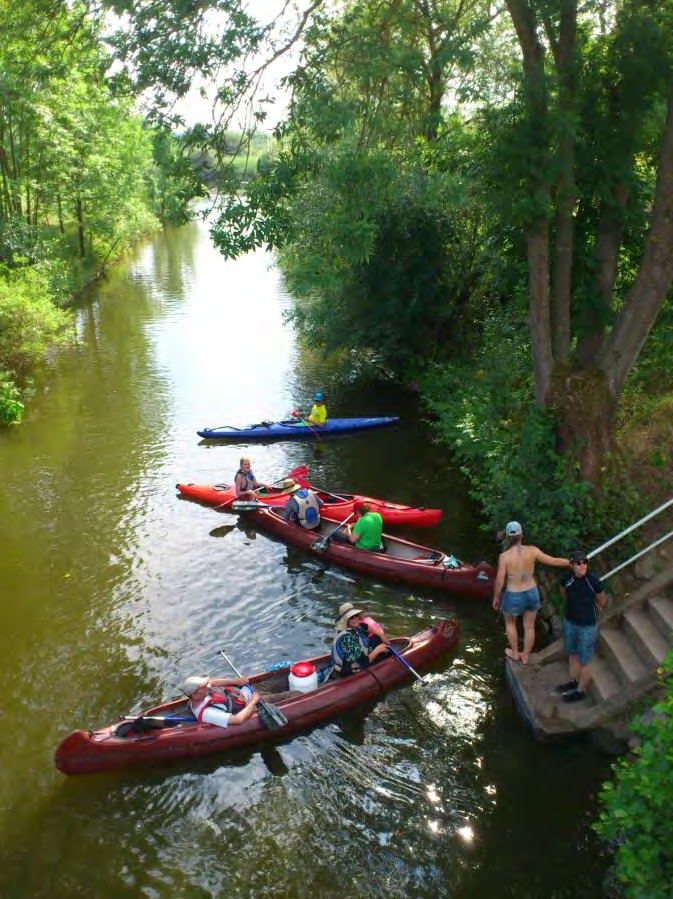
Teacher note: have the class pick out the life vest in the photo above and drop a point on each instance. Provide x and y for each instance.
(229, 700)
(249, 478)
(308, 508)
(350, 651)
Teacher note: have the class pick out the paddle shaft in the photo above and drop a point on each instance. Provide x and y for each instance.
(192, 720)
(299, 472)
(270, 709)
(323, 541)
(313, 428)
(405, 663)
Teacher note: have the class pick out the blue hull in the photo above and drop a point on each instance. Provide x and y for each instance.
(293, 430)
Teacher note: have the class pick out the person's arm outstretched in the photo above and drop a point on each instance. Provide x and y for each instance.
(555, 561)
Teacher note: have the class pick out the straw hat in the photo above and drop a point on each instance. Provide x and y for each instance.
(346, 611)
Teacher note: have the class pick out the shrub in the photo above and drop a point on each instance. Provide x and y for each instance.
(505, 444)
(11, 408)
(636, 813)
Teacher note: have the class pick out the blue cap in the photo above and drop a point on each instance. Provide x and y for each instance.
(513, 529)
(318, 398)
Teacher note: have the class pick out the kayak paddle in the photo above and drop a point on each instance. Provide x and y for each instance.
(322, 543)
(269, 714)
(312, 428)
(406, 664)
(299, 472)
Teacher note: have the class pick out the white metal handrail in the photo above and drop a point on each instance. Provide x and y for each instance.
(594, 552)
(642, 552)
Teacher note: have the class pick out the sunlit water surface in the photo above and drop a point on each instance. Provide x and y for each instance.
(114, 589)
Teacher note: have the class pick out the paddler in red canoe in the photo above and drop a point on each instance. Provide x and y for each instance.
(221, 701)
(358, 641)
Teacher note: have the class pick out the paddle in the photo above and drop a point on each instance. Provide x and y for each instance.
(299, 472)
(405, 663)
(322, 543)
(191, 720)
(269, 714)
(295, 414)
(304, 483)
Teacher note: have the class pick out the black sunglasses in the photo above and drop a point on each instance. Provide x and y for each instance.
(580, 562)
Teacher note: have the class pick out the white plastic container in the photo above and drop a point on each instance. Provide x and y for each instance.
(303, 677)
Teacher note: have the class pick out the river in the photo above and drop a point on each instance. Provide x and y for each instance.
(114, 589)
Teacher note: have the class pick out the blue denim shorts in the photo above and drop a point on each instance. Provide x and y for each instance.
(579, 640)
(518, 603)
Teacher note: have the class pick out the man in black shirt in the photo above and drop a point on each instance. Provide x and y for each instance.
(583, 594)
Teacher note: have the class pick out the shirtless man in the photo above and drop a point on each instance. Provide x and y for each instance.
(516, 566)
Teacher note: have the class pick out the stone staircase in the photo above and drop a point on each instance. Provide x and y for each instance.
(634, 636)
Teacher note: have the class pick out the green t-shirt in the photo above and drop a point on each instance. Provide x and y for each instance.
(370, 527)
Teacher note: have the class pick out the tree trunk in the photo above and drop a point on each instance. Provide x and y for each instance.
(654, 277)
(539, 294)
(59, 208)
(586, 414)
(80, 227)
(564, 54)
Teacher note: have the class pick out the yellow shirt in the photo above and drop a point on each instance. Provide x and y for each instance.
(318, 414)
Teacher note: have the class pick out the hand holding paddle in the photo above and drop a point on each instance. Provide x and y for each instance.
(406, 664)
(312, 428)
(322, 543)
(269, 714)
(299, 472)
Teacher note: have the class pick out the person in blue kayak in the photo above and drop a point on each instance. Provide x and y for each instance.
(303, 507)
(245, 481)
(318, 414)
(221, 701)
(354, 647)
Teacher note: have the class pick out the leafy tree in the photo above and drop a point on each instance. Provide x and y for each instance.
(590, 161)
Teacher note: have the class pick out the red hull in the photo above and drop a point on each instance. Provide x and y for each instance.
(402, 561)
(392, 513)
(83, 752)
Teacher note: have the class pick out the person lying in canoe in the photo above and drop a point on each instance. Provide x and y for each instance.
(367, 531)
(318, 414)
(245, 481)
(358, 641)
(221, 701)
(303, 507)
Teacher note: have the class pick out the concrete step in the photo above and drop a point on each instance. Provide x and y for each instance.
(603, 684)
(661, 610)
(615, 646)
(645, 636)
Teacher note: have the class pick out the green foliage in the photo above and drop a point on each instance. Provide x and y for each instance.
(383, 259)
(485, 412)
(175, 182)
(29, 321)
(11, 408)
(636, 808)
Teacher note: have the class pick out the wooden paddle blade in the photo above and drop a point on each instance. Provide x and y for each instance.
(270, 715)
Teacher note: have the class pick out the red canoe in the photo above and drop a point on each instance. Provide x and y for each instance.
(151, 742)
(401, 561)
(336, 506)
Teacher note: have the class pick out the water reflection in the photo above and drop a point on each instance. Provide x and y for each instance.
(114, 591)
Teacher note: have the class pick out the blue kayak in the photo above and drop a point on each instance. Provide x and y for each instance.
(294, 430)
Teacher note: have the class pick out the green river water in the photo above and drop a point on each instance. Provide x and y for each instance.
(114, 589)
